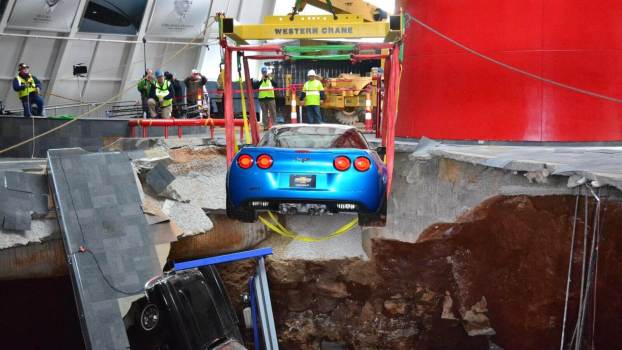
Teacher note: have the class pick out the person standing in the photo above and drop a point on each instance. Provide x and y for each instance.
(165, 95)
(28, 89)
(312, 96)
(146, 88)
(178, 89)
(194, 83)
(267, 102)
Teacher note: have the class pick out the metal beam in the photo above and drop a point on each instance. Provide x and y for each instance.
(357, 7)
(310, 27)
(18, 58)
(64, 49)
(223, 259)
(7, 13)
(133, 49)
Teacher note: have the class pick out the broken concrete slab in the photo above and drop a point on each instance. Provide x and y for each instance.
(18, 220)
(204, 192)
(40, 230)
(190, 219)
(159, 178)
(145, 160)
(345, 246)
(153, 211)
(25, 182)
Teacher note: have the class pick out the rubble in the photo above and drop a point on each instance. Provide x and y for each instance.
(189, 218)
(475, 320)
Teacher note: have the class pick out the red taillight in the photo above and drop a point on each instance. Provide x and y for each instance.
(362, 164)
(245, 161)
(264, 161)
(342, 163)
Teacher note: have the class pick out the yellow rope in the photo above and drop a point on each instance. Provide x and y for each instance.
(247, 133)
(273, 224)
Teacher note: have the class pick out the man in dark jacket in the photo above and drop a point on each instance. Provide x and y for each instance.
(265, 95)
(178, 89)
(194, 83)
(28, 89)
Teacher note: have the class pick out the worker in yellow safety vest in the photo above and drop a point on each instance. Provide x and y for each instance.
(312, 97)
(267, 102)
(28, 89)
(165, 94)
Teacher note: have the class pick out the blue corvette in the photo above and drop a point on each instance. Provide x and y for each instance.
(309, 169)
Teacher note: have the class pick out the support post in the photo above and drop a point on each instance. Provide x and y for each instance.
(293, 117)
(391, 115)
(252, 119)
(228, 106)
(385, 102)
(368, 119)
(379, 100)
(265, 307)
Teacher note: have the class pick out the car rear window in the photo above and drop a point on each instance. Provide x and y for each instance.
(313, 137)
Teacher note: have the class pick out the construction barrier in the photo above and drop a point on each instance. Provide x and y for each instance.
(294, 117)
(145, 124)
(368, 118)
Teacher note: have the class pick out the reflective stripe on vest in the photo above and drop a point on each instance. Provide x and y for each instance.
(30, 86)
(312, 90)
(265, 89)
(162, 92)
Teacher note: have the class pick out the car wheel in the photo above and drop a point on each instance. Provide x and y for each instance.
(149, 317)
(246, 215)
(378, 219)
(240, 214)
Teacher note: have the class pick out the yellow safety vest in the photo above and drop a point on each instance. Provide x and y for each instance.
(312, 90)
(265, 89)
(30, 86)
(161, 92)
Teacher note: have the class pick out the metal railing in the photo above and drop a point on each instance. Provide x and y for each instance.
(119, 109)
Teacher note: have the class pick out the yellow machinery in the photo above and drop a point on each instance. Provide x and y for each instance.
(346, 96)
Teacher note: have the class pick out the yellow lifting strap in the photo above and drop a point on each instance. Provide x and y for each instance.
(247, 133)
(273, 224)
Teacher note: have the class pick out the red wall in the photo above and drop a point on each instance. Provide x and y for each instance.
(447, 93)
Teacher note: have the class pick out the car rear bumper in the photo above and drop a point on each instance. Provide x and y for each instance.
(368, 199)
(332, 206)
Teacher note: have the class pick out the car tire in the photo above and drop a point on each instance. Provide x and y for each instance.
(377, 219)
(240, 214)
(149, 318)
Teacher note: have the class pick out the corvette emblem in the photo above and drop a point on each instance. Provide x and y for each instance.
(303, 159)
(303, 180)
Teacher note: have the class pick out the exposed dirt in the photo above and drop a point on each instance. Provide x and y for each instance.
(187, 154)
(189, 159)
(498, 274)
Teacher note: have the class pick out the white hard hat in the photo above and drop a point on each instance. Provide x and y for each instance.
(195, 71)
(311, 72)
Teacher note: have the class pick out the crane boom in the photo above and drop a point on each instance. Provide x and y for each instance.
(368, 12)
